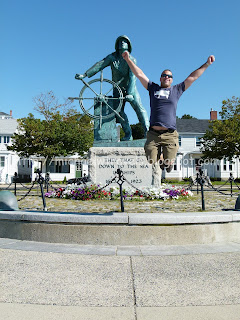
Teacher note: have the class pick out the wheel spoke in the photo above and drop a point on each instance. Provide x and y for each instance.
(91, 107)
(117, 83)
(114, 110)
(101, 81)
(120, 81)
(112, 98)
(108, 91)
(80, 98)
(86, 84)
(86, 98)
(100, 115)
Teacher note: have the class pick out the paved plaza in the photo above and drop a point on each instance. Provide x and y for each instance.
(60, 281)
(43, 280)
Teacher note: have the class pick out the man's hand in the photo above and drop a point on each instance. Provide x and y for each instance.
(210, 59)
(80, 76)
(125, 55)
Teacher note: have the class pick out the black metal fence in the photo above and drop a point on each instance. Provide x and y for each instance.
(200, 181)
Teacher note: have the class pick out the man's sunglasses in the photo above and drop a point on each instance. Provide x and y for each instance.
(164, 75)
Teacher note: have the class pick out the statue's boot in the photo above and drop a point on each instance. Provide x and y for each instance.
(127, 138)
(126, 126)
(128, 132)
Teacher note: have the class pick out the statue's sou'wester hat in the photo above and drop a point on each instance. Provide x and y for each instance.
(128, 41)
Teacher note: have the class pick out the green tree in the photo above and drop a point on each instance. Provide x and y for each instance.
(137, 131)
(59, 133)
(187, 116)
(222, 140)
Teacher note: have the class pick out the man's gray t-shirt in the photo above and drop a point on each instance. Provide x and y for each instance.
(163, 104)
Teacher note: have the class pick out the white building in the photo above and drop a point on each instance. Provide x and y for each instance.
(188, 160)
(9, 160)
(61, 168)
(10, 163)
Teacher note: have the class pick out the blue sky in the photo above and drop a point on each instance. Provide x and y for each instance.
(45, 43)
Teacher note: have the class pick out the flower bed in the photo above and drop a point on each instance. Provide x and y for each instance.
(91, 192)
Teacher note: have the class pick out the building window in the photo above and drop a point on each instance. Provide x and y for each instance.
(224, 164)
(22, 161)
(197, 164)
(6, 139)
(59, 167)
(180, 141)
(52, 167)
(230, 165)
(79, 166)
(2, 161)
(198, 141)
(0, 139)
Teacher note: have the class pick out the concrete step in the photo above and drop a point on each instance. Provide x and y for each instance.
(121, 228)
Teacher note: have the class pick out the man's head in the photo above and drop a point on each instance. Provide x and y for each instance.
(166, 78)
(123, 43)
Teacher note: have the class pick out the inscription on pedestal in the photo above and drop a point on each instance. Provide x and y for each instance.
(104, 163)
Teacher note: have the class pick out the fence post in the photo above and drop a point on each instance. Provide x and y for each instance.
(201, 182)
(120, 182)
(47, 177)
(15, 184)
(197, 181)
(231, 182)
(203, 200)
(40, 181)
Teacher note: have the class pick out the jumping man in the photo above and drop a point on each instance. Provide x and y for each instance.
(162, 137)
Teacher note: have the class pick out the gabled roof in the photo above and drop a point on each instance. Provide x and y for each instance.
(8, 126)
(192, 125)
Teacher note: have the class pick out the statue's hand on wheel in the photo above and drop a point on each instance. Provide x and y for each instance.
(80, 76)
(129, 98)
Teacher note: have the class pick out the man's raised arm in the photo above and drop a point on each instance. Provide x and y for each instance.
(197, 73)
(136, 70)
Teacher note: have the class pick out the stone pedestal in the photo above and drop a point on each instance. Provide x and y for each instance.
(104, 162)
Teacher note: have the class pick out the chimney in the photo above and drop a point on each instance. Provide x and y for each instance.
(213, 115)
(11, 113)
